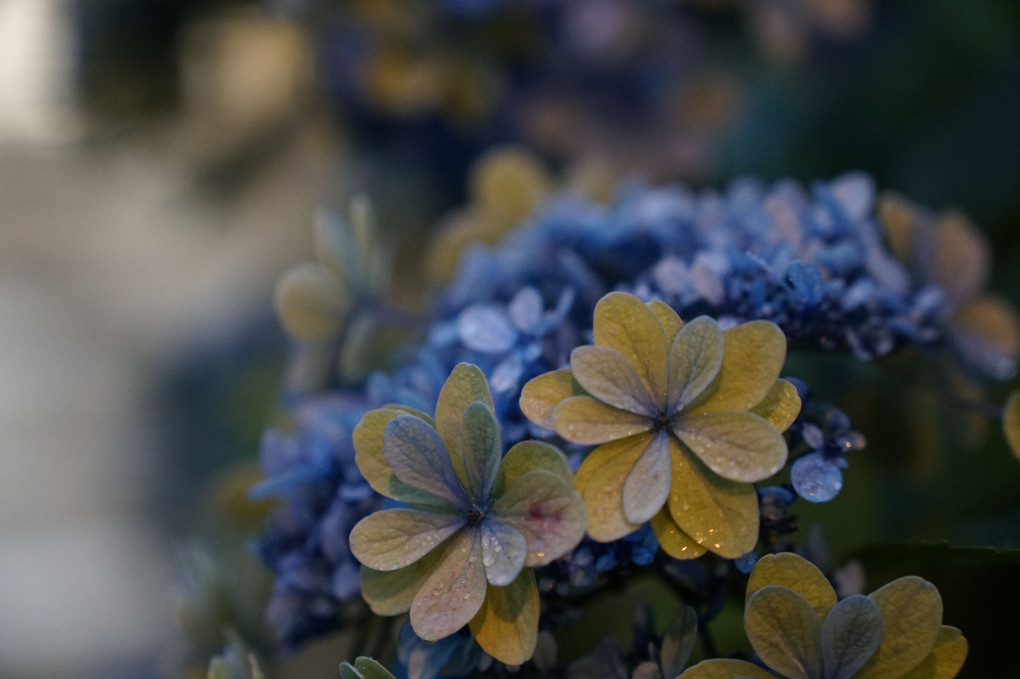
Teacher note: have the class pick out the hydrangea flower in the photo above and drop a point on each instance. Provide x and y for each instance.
(800, 631)
(948, 251)
(822, 436)
(461, 552)
(334, 307)
(686, 416)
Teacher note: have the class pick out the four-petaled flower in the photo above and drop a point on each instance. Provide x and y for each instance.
(688, 418)
(799, 630)
(460, 552)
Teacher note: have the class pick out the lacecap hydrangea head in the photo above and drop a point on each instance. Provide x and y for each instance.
(460, 552)
(686, 418)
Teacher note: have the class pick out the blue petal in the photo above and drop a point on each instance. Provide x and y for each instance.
(486, 329)
(525, 310)
(815, 478)
(807, 281)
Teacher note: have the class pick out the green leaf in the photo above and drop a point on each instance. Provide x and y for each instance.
(736, 445)
(453, 593)
(504, 550)
(624, 323)
(311, 302)
(725, 669)
(797, 573)
(850, 636)
(646, 487)
(506, 626)
(603, 486)
(368, 447)
(391, 592)
(547, 511)
(482, 451)
(1011, 422)
(718, 514)
(945, 660)
(911, 619)
(418, 458)
(753, 356)
(672, 539)
(541, 395)
(668, 317)
(784, 631)
(780, 406)
(678, 641)
(529, 456)
(608, 376)
(582, 419)
(395, 538)
(465, 385)
(694, 360)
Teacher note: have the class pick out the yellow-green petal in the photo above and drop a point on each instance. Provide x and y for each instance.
(529, 456)
(506, 626)
(504, 550)
(547, 512)
(736, 445)
(1011, 422)
(481, 451)
(694, 360)
(391, 592)
(368, 448)
(599, 456)
(541, 395)
(911, 618)
(725, 669)
(603, 491)
(646, 487)
(583, 419)
(672, 539)
(753, 356)
(453, 593)
(394, 538)
(668, 317)
(850, 635)
(419, 459)
(797, 573)
(311, 302)
(465, 385)
(624, 323)
(945, 660)
(678, 641)
(784, 631)
(780, 406)
(718, 514)
(608, 376)
(364, 668)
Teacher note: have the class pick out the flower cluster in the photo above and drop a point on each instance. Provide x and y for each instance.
(655, 330)
(311, 471)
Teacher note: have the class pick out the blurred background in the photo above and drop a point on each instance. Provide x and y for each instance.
(161, 162)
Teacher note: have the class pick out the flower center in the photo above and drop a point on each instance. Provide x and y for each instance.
(477, 515)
